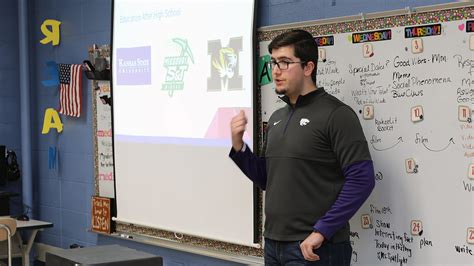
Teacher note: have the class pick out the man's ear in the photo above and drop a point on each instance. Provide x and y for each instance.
(308, 69)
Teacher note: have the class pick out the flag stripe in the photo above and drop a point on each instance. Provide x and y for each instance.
(79, 91)
(66, 102)
(75, 97)
(60, 98)
(62, 111)
(72, 96)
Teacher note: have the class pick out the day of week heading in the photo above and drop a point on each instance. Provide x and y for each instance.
(324, 40)
(372, 36)
(423, 31)
(470, 26)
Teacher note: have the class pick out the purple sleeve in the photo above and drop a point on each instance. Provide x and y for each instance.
(251, 165)
(360, 181)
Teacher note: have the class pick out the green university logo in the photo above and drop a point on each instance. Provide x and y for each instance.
(176, 67)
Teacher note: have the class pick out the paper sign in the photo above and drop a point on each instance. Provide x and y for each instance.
(101, 215)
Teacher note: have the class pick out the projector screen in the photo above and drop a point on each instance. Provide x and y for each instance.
(181, 71)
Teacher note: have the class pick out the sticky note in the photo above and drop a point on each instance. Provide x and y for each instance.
(470, 173)
(470, 235)
(367, 50)
(416, 227)
(464, 113)
(321, 55)
(368, 112)
(366, 221)
(417, 113)
(417, 45)
(410, 166)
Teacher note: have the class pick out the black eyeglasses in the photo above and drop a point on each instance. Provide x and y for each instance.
(283, 64)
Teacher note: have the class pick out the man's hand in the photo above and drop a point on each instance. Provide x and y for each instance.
(312, 242)
(237, 128)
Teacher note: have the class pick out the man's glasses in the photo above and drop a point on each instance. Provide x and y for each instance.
(284, 64)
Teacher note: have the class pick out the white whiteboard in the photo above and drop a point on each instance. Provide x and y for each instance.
(441, 193)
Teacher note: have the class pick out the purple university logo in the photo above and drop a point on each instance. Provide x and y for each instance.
(134, 66)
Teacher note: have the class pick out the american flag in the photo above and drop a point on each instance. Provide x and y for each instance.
(70, 89)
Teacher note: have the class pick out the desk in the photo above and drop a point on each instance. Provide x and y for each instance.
(32, 226)
(102, 255)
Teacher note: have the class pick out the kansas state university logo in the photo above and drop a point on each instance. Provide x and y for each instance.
(134, 66)
(224, 65)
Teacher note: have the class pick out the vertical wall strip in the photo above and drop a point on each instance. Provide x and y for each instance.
(27, 180)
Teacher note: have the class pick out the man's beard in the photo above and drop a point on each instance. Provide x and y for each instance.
(281, 92)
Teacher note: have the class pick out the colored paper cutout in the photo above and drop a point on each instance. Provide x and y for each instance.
(52, 71)
(51, 120)
(52, 33)
(52, 153)
(264, 70)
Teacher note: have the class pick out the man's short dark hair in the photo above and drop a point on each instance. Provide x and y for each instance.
(303, 43)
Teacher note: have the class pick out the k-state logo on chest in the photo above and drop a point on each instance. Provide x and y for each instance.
(304, 122)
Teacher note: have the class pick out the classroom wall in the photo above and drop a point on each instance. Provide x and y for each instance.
(9, 90)
(62, 195)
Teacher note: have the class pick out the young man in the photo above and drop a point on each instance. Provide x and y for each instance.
(316, 170)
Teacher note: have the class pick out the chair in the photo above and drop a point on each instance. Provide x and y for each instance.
(7, 230)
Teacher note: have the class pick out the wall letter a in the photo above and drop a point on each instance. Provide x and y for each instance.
(49, 114)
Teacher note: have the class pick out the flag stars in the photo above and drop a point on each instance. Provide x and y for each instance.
(64, 73)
